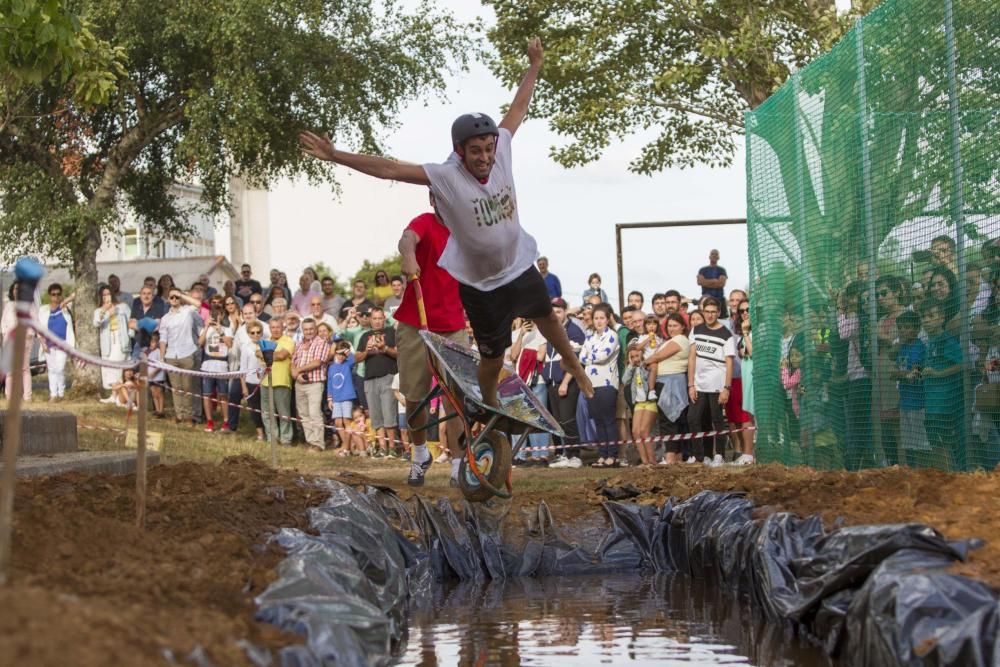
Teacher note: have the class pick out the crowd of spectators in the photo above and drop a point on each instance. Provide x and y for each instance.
(678, 367)
(906, 370)
(334, 382)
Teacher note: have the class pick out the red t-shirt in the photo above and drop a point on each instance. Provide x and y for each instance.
(441, 300)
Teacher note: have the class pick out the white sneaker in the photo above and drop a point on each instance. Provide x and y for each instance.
(691, 459)
(717, 461)
(559, 462)
(707, 461)
(745, 460)
(663, 462)
(651, 396)
(109, 399)
(574, 462)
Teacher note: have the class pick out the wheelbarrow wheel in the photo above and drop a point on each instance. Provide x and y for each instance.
(493, 458)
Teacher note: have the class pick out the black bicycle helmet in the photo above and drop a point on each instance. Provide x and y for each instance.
(471, 125)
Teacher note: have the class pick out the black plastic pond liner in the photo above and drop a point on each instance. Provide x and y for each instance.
(872, 595)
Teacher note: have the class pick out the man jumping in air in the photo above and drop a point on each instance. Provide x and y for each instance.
(488, 252)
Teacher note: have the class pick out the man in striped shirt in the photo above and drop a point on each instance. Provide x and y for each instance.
(309, 374)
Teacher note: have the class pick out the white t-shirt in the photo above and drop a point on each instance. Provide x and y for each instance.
(215, 357)
(487, 247)
(395, 387)
(712, 347)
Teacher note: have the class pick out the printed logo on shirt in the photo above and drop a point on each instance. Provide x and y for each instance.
(496, 208)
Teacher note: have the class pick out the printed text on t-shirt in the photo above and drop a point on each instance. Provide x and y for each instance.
(495, 208)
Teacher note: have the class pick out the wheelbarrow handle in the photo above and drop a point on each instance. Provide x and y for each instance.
(419, 293)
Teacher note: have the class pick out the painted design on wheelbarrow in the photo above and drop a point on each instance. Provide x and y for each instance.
(520, 413)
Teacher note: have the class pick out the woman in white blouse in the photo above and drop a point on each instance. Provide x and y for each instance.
(111, 322)
(599, 355)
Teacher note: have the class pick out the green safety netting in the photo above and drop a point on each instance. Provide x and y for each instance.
(873, 220)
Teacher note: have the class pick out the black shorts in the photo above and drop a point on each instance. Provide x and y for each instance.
(492, 313)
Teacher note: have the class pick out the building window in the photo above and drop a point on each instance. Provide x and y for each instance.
(130, 244)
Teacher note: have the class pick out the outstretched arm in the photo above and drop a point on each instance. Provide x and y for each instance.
(519, 107)
(322, 147)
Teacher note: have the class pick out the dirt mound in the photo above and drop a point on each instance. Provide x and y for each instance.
(87, 583)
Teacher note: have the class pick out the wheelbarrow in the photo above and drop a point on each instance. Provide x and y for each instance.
(485, 470)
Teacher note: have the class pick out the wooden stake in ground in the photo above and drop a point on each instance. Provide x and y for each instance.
(140, 456)
(28, 273)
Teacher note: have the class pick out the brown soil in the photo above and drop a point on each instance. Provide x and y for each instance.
(88, 588)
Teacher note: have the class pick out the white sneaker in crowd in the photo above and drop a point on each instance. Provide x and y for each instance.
(707, 461)
(109, 399)
(559, 462)
(651, 396)
(717, 461)
(745, 460)
(663, 462)
(574, 462)
(691, 459)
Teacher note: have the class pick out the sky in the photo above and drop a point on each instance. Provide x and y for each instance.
(572, 213)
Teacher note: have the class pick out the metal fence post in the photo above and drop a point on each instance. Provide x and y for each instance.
(958, 218)
(871, 245)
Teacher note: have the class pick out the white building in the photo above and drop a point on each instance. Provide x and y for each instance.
(217, 244)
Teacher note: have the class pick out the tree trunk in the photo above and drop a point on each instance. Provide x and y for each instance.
(87, 380)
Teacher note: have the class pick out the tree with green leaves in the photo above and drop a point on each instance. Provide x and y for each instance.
(210, 90)
(684, 69)
(44, 39)
(390, 264)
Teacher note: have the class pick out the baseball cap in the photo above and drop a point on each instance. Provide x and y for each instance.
(364, 310)
(559, 302)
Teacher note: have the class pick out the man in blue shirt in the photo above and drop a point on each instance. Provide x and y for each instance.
(551, 280)
(712, 279)
(144, 305)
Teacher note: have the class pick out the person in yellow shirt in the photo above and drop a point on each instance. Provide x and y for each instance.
(279, 383)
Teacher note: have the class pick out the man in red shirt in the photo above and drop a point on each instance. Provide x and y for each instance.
(420, 247)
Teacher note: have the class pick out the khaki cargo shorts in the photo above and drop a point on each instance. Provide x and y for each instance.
(411, 359)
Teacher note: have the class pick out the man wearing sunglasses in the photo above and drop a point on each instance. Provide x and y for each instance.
(55, 317)
(246, 286)
(178, 348)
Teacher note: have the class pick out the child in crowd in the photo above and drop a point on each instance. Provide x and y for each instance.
(942, 376)
(791, 374)
(637, 392)
(695, 318)
(156, 376)
(340, 395)
(650, 343)
(362, 434)
(404, 427)
(124, 392)
(910, 361)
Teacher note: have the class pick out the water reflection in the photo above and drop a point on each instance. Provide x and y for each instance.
(590, 620)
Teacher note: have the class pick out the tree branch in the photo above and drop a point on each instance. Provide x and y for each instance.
(705, 113)
(34, 151)
(132, 143)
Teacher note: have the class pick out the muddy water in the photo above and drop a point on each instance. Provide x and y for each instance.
(589, 620)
